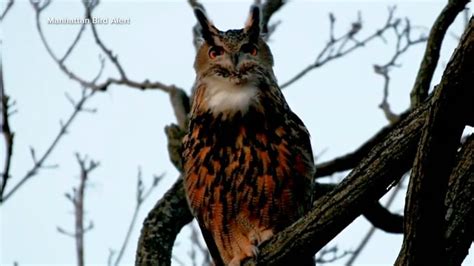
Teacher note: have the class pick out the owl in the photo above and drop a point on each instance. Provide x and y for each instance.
(247, 158)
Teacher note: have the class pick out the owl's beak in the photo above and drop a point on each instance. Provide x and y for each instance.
(235, 59)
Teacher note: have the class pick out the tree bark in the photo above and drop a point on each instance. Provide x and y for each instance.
(460, 206)
(161, 227)
(433, 48)
(424, 207)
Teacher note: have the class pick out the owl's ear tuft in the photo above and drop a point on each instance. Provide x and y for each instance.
(252, 26)
(208, 30)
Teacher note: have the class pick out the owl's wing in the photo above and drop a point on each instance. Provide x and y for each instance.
(304, 161)
(211, 245)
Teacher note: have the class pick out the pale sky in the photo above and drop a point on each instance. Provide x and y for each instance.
(338, 103)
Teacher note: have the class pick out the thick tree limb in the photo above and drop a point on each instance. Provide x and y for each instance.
(383, 219)
(433, 48)
(460, 206)
(394, 224)
(375, 213)
(161, 227)
(424, 207)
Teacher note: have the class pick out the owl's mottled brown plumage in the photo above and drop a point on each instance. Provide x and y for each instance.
(248, 164)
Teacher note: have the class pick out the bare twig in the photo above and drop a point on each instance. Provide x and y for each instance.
(404, 41)
(141, 196)
(38, 163)
(77, 198)
(178, 97)
(38, 8)
(350, 160)
(433, 48)
(196, 244)
(7, 8)
(113, 58)
(110, 259)
(337, 47)
(332, 254)
(74, 43)
(5, 105)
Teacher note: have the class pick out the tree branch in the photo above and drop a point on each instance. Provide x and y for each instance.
(350, 160)
(141, 196)
(161, 227)
(7, 8)
(77, 198)
(73, 44)
(460, 206)
(382, 218)
(392, 223)
(375, 213)
(38, 164)
(123, 80)
(113, 58)
(337, 47)
(424, 207)
(404, 41)
(433, 48)
(5, 105)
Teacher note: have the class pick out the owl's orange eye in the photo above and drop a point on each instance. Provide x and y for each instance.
(215, 51)
(249, 49)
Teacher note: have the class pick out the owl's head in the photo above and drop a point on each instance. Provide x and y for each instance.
(232, 63)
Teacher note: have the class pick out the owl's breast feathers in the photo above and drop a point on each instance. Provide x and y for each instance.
(247, 173)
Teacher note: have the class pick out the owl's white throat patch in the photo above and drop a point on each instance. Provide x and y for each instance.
(223, 96)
